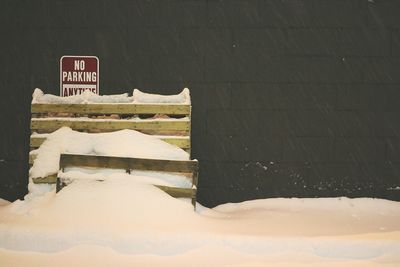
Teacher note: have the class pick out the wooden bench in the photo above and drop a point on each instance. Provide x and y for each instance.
(168, 122)
(128, 164)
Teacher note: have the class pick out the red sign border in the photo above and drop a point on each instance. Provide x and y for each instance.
(98, 71)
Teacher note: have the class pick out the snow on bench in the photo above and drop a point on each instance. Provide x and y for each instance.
(190, 167)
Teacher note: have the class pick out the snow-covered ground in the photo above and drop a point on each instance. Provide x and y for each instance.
(124, 220)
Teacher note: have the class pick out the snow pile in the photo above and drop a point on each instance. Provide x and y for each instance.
(3, 202)
(38, 97)
(182, 98)
(124, 143)
(130, 223)
(141, 177)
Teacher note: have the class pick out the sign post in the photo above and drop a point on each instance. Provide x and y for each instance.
(79, 74)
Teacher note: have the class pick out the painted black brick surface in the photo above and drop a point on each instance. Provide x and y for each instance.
(291, 98)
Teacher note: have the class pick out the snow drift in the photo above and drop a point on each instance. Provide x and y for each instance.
(127, 222)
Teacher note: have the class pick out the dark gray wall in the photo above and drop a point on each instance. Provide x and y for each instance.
(290, 97)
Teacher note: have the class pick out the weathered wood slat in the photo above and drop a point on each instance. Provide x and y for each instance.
(32, 158)
(119, 108)
(178, 192)
(36, 141)
(46, 125)
(50, 179)
(128, 163)
(177, 141)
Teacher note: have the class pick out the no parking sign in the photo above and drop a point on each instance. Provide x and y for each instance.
(79, 74)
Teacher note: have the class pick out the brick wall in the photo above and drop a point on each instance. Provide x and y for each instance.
(290, 97)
